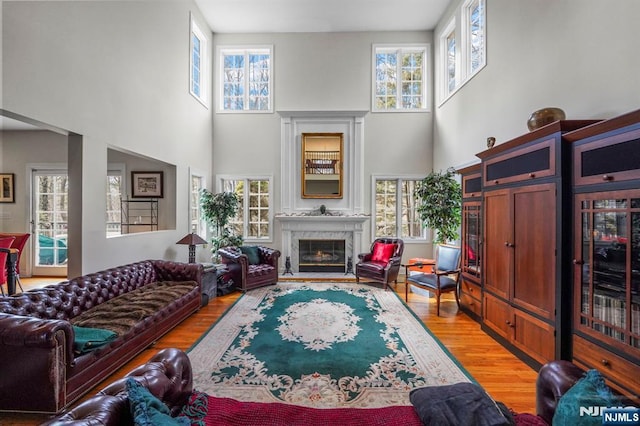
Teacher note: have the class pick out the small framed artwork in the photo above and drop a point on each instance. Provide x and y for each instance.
(146, 184)
(7, 187)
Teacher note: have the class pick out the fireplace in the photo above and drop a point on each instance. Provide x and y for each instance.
(321, 256)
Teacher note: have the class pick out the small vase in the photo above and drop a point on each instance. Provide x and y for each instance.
(544, 116)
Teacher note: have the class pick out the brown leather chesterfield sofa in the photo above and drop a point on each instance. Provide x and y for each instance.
(167, 375)
(248, 275)
(42, 371)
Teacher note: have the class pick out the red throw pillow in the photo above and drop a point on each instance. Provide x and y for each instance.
(382, 252)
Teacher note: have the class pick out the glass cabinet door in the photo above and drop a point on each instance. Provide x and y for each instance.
(471, 236)
(609, 256)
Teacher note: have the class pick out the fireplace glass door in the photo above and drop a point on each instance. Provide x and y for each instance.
(322, 256)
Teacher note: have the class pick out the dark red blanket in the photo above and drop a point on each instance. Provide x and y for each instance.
(205, 410)
(212, 411)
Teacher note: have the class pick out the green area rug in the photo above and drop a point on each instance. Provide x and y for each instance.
(321, 345)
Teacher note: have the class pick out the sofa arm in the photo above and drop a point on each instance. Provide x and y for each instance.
(233, 255)
(178, 271)
(29, 332)
(167, 375)
(554, 380)
(269, 255)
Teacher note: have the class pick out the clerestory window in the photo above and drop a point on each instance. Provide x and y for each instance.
(462, 48)
(198, 63)
(246, 76)
(400, 78)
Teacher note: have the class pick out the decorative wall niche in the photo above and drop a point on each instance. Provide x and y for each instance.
(321, 165)
(349, 124)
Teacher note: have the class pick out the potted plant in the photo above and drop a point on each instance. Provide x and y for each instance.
(440, 203)
(217, 209)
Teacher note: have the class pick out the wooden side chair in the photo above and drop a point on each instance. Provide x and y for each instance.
(20, 240)
(5, 246)
(445, 277)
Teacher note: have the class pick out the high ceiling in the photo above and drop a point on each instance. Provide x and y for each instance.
(268, 16)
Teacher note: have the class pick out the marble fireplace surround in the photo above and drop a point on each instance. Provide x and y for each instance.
(299, 218)
(321, 227)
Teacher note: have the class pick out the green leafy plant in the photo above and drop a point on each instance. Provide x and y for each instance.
(440, 204)
(217, 209)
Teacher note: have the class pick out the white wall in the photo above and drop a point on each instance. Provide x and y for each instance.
(579, 55)
(116, 73)
(324, 72)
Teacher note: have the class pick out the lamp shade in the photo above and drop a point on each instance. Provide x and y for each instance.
(192, 239)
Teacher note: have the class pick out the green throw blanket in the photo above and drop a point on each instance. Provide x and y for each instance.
(88, 339)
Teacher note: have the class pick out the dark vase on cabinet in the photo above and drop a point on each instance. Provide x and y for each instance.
(470, 286)
(606, 250)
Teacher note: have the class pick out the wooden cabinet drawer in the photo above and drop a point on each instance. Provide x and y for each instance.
(470, 288)
(472, 304)
(497, 315)
(607, 152)
(472, 185)
(534, 336)
(622, 372)
(526, 163)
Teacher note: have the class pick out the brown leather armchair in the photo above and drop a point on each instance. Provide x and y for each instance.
(248, 273)
(382, 263)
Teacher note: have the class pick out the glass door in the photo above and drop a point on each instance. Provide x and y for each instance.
(49, 219)
(609, 282)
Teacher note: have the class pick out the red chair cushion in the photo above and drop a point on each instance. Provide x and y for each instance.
(382, 252)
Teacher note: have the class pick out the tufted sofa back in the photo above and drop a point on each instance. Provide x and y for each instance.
(69, 299)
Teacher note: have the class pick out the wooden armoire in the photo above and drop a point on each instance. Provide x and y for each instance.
(560, 242)
(526, 193)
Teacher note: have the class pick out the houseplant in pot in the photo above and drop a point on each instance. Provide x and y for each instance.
(217, 209)
(439, 204)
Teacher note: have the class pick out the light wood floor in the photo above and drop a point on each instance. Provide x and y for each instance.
(500, 373)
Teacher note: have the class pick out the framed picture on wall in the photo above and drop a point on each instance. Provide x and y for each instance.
(7, 187)
(146, 184)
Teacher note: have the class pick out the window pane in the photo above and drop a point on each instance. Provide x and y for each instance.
(259, 209)
(233, 82)
(256, 199)
(411, 224)
(386, 191)
(399, 75)
(451, 61)
(246, 80)
(113, 208)
(476, 34)
(195, 215)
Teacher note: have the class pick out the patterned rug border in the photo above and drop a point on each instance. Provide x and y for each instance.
(312, 283)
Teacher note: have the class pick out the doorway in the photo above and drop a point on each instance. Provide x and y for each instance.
(49, 222)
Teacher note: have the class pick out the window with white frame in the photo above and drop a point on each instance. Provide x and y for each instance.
(396, 208)
(198, 63)
(253, 219)
(246, 76)
(448, 44)
(196, 222)
(400, 78)
(474, 18)
(113, 212)
(463, 48)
